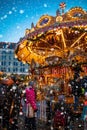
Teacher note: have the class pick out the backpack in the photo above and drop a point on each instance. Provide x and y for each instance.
(59, 119)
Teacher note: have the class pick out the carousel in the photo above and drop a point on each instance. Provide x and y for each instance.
(56, 51)
(54, 45)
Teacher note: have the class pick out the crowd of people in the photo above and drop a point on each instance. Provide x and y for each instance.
(22, 101)
(13, 105)
(10, 106)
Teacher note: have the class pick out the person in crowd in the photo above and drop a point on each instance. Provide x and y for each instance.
(49, 104)
(76, 91)
(2, 98)
(84, 112)
(31, 106)
(22, 113)
(11, 106)
(62, 114)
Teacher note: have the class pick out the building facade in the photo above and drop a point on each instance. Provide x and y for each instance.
(8, 63)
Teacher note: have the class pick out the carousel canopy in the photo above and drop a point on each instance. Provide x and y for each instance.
(55, 39)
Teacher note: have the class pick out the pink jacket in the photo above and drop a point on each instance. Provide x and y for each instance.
(31, 97)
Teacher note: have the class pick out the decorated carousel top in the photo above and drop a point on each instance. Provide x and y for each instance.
(55, 39)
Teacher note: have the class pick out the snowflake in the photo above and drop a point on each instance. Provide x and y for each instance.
(1, 18)
(32, 17)
(21, 11)
(26, 16)
(18, 27)
(5, 16)
(45, 5)
(13, 8)
(1, 35)
(10, 12)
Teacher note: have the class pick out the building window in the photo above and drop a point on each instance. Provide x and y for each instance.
(16, 69)
(15, 63)
(9, 69)
(3, 63)
(10, 52)
(3, 69)
(13, 69)
(3, 57)
(3, 52)
(10, 57)
(22, 69)
(21, 64)
(9, 63)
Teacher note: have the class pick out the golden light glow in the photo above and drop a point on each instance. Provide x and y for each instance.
(78, 39)
(62, 37)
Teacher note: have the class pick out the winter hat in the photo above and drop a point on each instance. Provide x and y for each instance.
(31, 83)
(61, 97)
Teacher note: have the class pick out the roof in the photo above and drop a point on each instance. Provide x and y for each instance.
(8, 45)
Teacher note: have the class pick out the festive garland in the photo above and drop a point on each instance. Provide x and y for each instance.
(74, 11)
(44, 24)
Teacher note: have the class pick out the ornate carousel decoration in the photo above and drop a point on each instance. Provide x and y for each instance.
(55, 40)
(55, 47)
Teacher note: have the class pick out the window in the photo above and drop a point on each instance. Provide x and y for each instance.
(9, 69)
(3, 63)
(9, 63)
(15, 69)
(3, 52)
(3, 57)
(21, 64)
(10, 57)
(22, 69)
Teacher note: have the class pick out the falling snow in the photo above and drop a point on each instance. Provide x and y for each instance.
(21, 11)
(1, 35)
(45, 5)
(15, 12)
(10, 12)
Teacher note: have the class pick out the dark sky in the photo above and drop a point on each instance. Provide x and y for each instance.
(17, 15)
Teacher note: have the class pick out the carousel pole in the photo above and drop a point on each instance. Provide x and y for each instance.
(32, 68)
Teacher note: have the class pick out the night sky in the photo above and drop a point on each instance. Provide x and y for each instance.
(17, 15)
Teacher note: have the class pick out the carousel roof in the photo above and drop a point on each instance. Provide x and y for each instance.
(52, 39)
